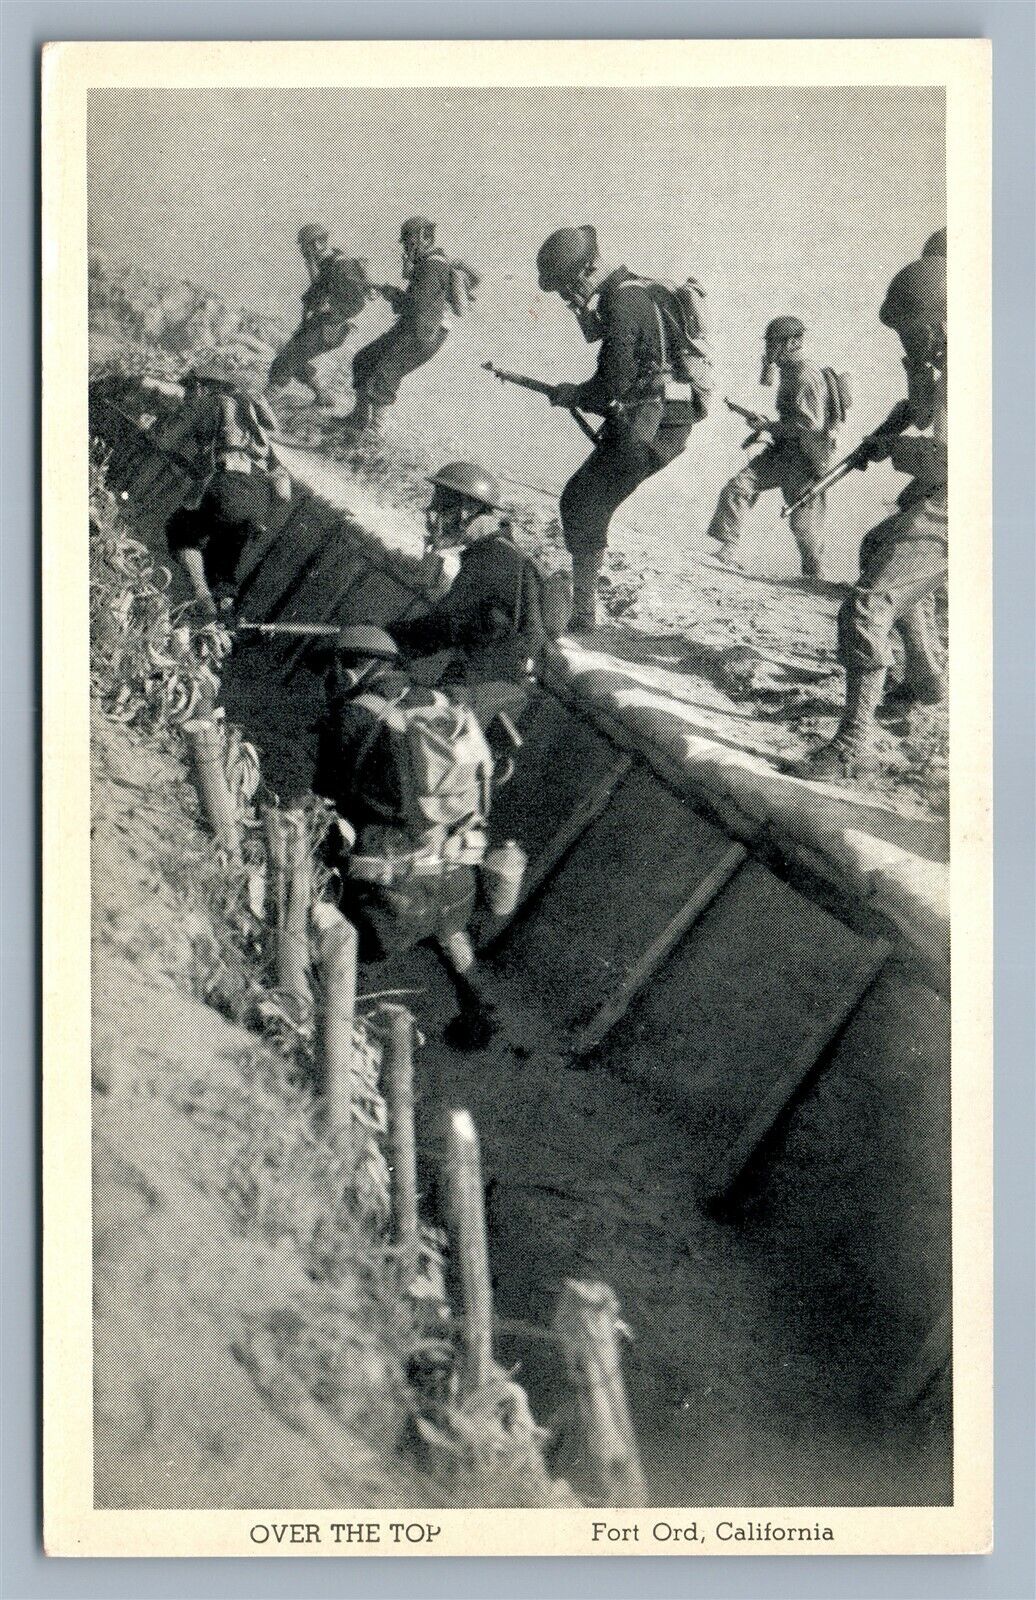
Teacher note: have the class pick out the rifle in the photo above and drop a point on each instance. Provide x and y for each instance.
(758, 424)
(305, 630)
(836, 474)
(750, 416)
(538, 387)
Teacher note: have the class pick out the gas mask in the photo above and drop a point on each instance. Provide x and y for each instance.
(578, 295)
(924, 345)
(773, 354)
(448, 517)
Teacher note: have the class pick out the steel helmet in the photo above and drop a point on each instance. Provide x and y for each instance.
(936, 245)
(216, 366)
(415, 225)
(784, 328)
(916, 294)
(467, 479)
(566, 252)
(310, 235)
(366, 641)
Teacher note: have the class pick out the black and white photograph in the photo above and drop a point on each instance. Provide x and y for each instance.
(513, 516)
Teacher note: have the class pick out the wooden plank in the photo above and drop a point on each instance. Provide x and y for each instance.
(560, 761)
(302, 536)
(779, 1094)
(629, 877)
(559, 844)
(933, 1360)
(736, 1017)
(380, 600)
(616, 1006)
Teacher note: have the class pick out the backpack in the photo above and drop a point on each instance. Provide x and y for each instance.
(464, 280)
(443, 767)
(343, 281)
(839, 397)
(683, 336)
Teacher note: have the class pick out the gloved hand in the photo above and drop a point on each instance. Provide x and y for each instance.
(564, 394)
(205, 609)
(875, 447)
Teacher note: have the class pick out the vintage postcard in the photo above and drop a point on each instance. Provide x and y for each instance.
(517, 742)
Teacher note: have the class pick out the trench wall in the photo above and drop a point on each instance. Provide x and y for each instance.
(690, 919)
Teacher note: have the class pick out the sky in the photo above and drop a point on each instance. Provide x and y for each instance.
(778, 200)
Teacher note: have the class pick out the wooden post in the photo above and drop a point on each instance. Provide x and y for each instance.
(469, 1249)
(293, 942)
(338, 964)
(207, 750)
(587, 1322)
(399, 1091)
(276, 870)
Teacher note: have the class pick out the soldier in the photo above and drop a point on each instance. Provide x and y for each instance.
(903, 560)
(415, 337)
(648, 411)
(499, 610)
(409, 775)
(338, 290)
(224, 427)
(811, 405)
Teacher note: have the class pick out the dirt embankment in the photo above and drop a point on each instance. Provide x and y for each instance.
(252, 1345)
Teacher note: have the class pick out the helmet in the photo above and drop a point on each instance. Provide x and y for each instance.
(562, 255)
(418, 226)
(472, 481)
(784, 328)
(365, 641)
(936, 245)
(916, 294)
(310, 235)
(215, 366)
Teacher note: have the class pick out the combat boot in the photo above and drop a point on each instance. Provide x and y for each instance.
(850, 754)
(727, 556)
(586, 572)
(359, 418)
(475, 1024)
(923, 682)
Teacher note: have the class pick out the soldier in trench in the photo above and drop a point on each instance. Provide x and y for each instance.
(811, 403)
(338, 290)
(221, 431)
(903, 561)
(410, 777)
(499, 611)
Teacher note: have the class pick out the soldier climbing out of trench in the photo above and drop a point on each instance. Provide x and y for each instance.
(500, 609)
(222, 426)
(433, 282)
(903, 561)
(811, 404)
(410, 775)
(651, 386)
(338, 290)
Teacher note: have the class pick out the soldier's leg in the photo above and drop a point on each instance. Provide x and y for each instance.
(736, 499)
(924, 681)
(897, 572)
(475, 1023)
(588, 502)
(807, 526)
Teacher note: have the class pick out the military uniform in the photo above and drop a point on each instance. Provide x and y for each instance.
(801, 451)
(337, 294)
(904, 560)
(389, 918)
(229, 432)
(491, 615)
(414, 338)
(641, 434)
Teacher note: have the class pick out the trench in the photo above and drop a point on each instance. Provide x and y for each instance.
(710, 1090)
